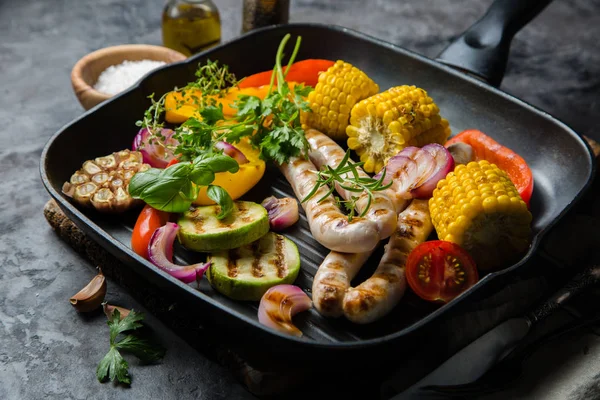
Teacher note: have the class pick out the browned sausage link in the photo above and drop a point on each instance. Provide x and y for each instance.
(379, 294)
(328, 224)
(333, 279)
(382, 211)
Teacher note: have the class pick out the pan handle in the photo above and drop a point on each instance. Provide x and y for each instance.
(482, 50)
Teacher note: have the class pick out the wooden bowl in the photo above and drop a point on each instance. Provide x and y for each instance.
(86, 71)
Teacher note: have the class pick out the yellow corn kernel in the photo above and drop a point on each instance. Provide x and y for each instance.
(338, 90)
(471, 207)
(387, 122)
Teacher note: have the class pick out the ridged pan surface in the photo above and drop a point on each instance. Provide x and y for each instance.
(560, 160)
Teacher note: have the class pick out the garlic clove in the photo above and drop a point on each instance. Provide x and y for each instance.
(109, 309)
(91, 296)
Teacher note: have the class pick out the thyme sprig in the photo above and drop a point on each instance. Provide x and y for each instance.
(347, 177)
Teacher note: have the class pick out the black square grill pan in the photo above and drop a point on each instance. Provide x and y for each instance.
(561, 161)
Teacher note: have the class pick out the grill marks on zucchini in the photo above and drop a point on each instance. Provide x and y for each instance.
(256, 267)
(201, 230)
(278, 260)
(249, 271)
(232, 257)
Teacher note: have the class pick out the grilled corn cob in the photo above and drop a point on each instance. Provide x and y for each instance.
(338, 90)
(479, 208)
(384, 124)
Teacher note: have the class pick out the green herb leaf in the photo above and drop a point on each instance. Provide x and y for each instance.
(222, 198)
(113, 366)
(169, 189)
(212, 114)
(130, 322)
(202, 176)
(141, 348)
(217, 162)
(247, 106)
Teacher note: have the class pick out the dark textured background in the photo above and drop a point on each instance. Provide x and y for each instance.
(47, 350)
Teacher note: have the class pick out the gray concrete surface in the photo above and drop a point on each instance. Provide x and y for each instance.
(46, 349)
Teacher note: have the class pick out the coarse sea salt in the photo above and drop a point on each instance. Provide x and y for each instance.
(117, 78)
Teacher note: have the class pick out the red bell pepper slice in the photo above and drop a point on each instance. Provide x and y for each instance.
(486, 148)
(305, 71)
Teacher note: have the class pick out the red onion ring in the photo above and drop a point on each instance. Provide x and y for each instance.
(443, 164)
(154, 151)
(283, 212)
(415, 172)
(232, 152)
(160, 253)
(279, 304)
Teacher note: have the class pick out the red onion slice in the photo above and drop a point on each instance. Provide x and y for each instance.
(402, 171)
(160, 252)
(153, 149)
(232, 152)
(414, 172)
(283, 212)
(443, 164)
(279, 304)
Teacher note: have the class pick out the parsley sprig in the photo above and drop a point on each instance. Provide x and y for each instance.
(113, 366)
(347, 177)
(279, 134)
(272, 124)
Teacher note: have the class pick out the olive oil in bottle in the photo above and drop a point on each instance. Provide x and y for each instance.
(190, 26)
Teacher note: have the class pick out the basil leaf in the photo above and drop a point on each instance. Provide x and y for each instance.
(216, 162)
(222, 198)
(169, 190)
(141, 181)
(202, 176)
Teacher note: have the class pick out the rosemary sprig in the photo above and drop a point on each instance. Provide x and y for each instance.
(346, 176)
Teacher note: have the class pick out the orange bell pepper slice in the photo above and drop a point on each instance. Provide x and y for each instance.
(514, 165)
(306, 72)
(178, 108)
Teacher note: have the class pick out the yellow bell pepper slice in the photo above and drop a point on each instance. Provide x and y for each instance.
(239, 183)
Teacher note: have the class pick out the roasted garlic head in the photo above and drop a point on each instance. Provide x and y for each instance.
(103, 182)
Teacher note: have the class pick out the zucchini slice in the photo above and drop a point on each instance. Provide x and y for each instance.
(200, 230)
(246, 273)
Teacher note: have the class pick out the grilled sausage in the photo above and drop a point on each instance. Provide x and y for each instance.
(379, 294)
(328, 224)
(382, 211)
(333, 279)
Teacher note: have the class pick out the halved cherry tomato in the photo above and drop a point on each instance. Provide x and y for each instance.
(514, 165)
(149, 220)
(439, 271)
(305, 71)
